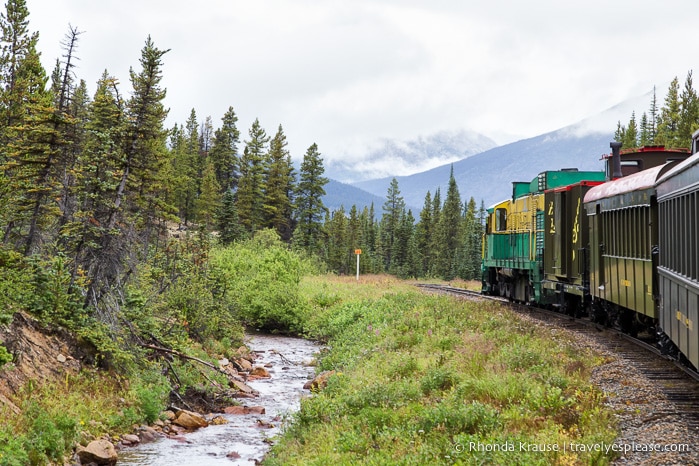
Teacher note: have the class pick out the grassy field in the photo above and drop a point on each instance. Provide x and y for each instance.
(427, 379)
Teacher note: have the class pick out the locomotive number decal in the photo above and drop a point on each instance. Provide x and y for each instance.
(685, 320)
(552, 228)
(576, 224)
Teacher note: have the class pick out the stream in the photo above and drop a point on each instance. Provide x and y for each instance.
(246, 438)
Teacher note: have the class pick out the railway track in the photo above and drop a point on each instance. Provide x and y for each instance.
(676, 382)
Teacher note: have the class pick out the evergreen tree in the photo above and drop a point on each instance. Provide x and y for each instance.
(393, 208)
(253, 166)
(17, 44)
(472, 231)
(372, 261)
(669, 118)
(653, 119)
(309, 202)
(355, 239)
(206, 138)
(136, 200)
(434, 240)
(98, 167)
(644, 136)
(224, 151)
(229, 226)
(631, 134)
(185, 161)
(448, 232)
(689, 113)
(620, 133)
(337, 242)
(33, 152)
(208, 203)
(423, 236)
(279, 185)
(402, 262)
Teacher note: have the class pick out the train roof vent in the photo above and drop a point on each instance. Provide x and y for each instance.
(542, 181)
(569, 169)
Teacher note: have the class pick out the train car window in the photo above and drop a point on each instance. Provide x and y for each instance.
(500, 219)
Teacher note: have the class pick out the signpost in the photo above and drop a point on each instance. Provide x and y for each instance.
(358, 252)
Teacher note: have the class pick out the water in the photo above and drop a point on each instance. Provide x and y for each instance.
(248, 436)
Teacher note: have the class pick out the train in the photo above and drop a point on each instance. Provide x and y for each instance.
(619, 245)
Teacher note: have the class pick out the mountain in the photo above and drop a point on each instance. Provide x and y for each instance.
(488, 176)
(397, 158)
(341, 194)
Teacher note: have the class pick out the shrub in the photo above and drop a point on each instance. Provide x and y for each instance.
(5, 356)
(259, 280)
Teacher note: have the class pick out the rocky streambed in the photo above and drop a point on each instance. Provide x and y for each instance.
(242, 434)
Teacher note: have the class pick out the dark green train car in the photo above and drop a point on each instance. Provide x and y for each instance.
(566, 248)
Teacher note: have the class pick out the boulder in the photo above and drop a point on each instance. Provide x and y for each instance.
(190, 420)
(218, 421)
(244, 410)
(130, 439)
(244, 364)
(320, 381)
(259, 371)
(100, 452)
(240, 386)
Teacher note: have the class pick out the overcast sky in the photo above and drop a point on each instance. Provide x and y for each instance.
(344, 74)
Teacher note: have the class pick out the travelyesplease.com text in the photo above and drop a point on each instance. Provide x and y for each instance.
(606, 448)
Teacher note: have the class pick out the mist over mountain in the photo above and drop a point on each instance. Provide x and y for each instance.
(488, 175)
(399, 158)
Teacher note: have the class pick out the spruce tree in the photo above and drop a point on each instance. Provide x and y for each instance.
(229, 226)
(208, 203)
(185, 161)
(278, 187)
(423, 236)
(17, 43)
(689, 113)
(448, 232)
(253, 165)
(644, 136)
(96, 175)
(309, 202)
(137, 199)
(224, 151)
(653, 119)
(631, 134)
(337, 242)
(669, 118)
(393, 208)
(32, 154)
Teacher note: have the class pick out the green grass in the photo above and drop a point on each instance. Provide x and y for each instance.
(421, 378)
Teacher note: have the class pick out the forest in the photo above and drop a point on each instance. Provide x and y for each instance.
(129, 234)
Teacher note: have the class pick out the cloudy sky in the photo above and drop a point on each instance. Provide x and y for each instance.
(345, 74)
